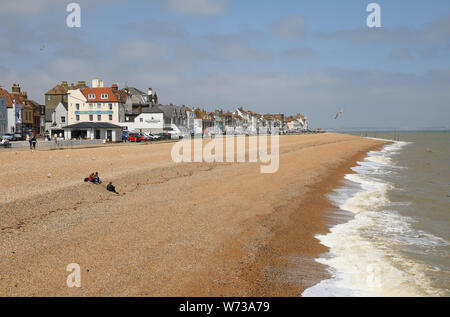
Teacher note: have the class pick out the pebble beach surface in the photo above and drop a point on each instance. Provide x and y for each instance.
(190, 229)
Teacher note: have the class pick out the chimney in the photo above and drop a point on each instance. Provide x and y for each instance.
(95, 83)
(150, 92)
(15, 89)
(64, 84)
(81, 84)
(115, 88)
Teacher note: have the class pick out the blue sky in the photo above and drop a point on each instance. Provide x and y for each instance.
(310, 57)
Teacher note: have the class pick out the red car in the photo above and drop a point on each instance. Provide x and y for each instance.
(136, 137)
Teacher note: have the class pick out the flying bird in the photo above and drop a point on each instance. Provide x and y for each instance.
(42, 48)
(341, 111)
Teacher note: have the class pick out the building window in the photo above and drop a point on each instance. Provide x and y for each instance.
(91, 106)
(78, 106)
(104, 96)
(78, 117)
(110, 117)
(110, 106)
(91, 117)
(91, 96)
(48, 98)
(141, 119)
(99, 105)
(99, 117)
(63, 119)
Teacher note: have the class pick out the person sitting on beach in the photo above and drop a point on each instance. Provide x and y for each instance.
(91, 178)
(111, 188)
(5, 142)
(97, 179)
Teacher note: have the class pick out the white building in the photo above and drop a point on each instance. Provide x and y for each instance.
(93, 131)
(59, 119)
(150, 120)
(297, 123)
(97, 104)
(159, 118)
(15, 118)
(3, 116)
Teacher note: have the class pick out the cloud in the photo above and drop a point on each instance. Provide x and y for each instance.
(141, 49)
(234, 47)
(401, 54)
(437, 31)
(300, 52)
(291, 27)
(38, 7)
(198, 7)
(370, 98)
(25, 7)
(160, 29)
(398, 34)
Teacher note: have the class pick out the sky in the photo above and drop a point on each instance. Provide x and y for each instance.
(286, 56)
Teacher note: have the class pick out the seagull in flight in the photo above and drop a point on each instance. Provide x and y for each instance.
(341, 111)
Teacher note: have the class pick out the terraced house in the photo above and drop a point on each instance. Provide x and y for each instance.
(23, 115)
(56, 96)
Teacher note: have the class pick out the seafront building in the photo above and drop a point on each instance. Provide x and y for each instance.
(96, 104)
(95, 112)
(161, 119)
(56, 96)
(3, 116)
(98, 112)
(23, 115)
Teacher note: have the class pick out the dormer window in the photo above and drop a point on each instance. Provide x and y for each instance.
(104, 96)
(92, 96)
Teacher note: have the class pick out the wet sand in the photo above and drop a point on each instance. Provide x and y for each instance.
(174, 230)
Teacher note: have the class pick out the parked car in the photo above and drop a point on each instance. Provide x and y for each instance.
(152, 137)
(156, 137)
(164, 136)
(145, 137)
(19, 137)
(175, 136)
(136, 137)
(8, 136)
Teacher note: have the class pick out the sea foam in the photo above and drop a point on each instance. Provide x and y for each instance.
(364, 258)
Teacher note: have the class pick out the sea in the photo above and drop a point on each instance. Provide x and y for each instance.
(393, 213)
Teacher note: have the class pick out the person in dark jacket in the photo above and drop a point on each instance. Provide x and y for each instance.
(34, 141)
(111, 188)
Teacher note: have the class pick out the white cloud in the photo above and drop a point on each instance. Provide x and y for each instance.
(37, 7)
(370, 98)
(401, 54)
(234, 47)
(141, 49)
(300, 51)
(198, 7)
(291, 28)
